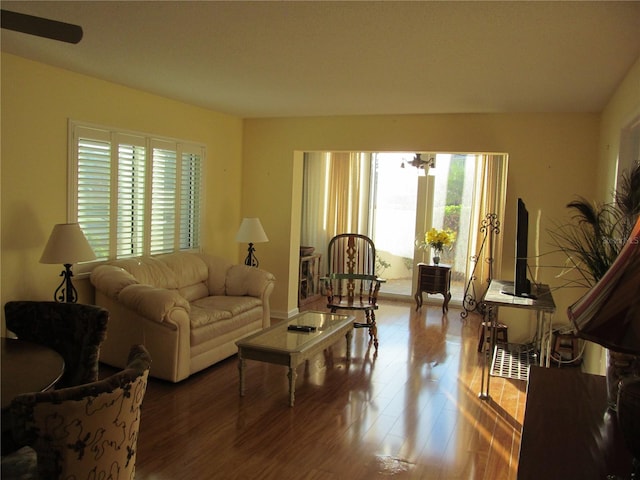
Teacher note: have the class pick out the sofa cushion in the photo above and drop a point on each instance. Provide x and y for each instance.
(215, 308)
(194, 292)
(191, 273)
(149, 270)
(217, 267)
(236, 328)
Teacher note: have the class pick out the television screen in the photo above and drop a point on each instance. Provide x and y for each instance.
(522, 285)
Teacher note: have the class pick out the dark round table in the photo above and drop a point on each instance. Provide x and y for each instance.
(27, 367)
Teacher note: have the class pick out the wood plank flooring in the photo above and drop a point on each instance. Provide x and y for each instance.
(411, 412)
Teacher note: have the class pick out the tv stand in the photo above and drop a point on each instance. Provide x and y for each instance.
(495, 297)
(510, 291)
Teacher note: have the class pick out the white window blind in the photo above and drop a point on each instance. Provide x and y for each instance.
(135, 194)
(164, 195)
(130, 201)
(93, 187)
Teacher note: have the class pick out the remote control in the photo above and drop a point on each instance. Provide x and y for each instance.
(301, 328)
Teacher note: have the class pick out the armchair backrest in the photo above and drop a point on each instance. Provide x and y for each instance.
(88, 431)
(351, 253)
(73, 330)
(351, 270)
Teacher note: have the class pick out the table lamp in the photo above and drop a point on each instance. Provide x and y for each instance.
(67, 245)
(251, 232)
(609, 314)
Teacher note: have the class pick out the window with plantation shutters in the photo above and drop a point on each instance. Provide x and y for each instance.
(134, 194)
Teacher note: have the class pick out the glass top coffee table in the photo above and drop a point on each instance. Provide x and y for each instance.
(280, 345)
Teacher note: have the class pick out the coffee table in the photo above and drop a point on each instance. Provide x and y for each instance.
(280, 346)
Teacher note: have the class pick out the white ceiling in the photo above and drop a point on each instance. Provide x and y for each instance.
(277, 58)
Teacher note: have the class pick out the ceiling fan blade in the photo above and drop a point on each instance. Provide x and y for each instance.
(41, 27)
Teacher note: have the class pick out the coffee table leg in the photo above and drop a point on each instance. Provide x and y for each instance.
(241, 364)
(348, 336)
(292, 385)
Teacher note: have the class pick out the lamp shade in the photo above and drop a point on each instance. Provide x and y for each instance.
(67, 245)
(609, 313)
(251, 231)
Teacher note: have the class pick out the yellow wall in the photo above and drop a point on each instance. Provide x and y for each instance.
(621, 109)
(552, 157)
(37, 101)
(254, 166)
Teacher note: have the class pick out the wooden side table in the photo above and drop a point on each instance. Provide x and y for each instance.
(309, 280)
(434, 279)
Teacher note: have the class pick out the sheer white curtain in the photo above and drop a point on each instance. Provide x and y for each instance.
(335, 196)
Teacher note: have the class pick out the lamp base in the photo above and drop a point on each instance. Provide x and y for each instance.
(66, 292)
(251, 259)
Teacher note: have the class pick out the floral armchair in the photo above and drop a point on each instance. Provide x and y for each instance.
(88, 431)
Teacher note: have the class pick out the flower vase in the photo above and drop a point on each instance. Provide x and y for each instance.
(436, 258)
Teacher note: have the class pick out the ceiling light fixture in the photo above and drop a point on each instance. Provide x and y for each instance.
(419, 163)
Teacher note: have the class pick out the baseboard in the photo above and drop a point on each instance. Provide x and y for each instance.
(282, 315)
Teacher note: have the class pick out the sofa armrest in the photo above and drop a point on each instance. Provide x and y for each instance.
(152, 302)
(244, 280)
(110, 280)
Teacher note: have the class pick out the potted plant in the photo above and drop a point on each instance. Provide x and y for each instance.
(591, 242)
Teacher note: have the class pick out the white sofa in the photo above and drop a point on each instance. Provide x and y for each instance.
(188, 309)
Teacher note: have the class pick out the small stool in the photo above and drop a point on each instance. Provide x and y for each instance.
(566, 348)
(501, 334)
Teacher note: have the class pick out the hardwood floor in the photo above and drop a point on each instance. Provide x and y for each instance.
(411, 412)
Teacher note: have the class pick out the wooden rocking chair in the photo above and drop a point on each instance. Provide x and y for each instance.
(351, 282)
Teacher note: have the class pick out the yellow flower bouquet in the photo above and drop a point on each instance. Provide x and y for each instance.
(438, 239)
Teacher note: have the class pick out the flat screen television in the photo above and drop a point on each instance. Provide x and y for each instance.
(521, 284)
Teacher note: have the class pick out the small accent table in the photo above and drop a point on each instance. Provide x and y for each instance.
(434, 279)
(280, 346)
(27, 367)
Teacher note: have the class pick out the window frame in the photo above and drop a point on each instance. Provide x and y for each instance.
(116, 138)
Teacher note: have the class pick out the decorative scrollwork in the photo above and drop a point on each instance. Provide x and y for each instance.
(491, 223)
(489, 227)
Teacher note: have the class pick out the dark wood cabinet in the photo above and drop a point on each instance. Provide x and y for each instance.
(568, 431)
(434, 279)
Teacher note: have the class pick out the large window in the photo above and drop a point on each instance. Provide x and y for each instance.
(370, 193)
(135, 194)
